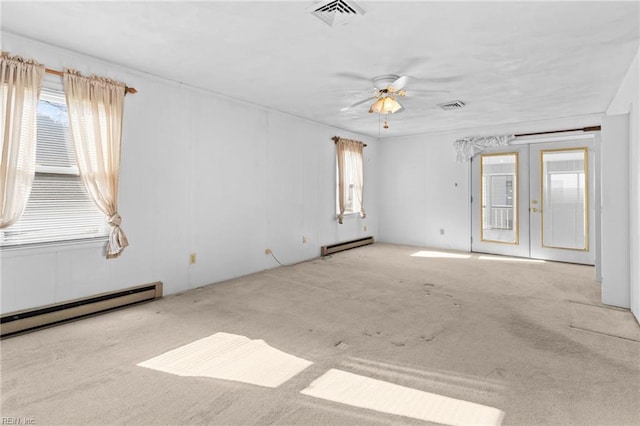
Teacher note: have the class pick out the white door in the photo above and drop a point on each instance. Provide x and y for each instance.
(535, 201)
(562, 201)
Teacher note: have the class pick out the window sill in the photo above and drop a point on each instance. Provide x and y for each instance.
(54, 246)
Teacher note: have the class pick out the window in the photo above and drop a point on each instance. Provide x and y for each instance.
(349, 205)
(349, 178)
(59, 207)
(499, 195)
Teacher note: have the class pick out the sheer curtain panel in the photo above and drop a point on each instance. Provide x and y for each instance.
(96, 107)
(350, 178)
(20, 84)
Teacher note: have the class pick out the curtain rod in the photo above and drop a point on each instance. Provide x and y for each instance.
(336, 138)
(584, 129)
(127, 89)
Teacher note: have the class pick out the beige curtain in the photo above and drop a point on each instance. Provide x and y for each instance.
(350, 177)
(20, 85)
(95, 117)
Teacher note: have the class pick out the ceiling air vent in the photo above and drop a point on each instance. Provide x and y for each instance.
(336, 12)
(453, 105)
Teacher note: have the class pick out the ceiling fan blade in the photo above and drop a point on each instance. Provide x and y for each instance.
(358, 103)
(435, 80)
(427, 91)
(399, 83)
(356, 91)
(352, 76)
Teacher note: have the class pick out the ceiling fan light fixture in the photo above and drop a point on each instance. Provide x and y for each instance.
(385, 105)
(391, 105)
(377, 106)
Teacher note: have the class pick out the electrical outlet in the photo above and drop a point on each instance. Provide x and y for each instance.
(192, 258)
(304, 240)
(267, 251)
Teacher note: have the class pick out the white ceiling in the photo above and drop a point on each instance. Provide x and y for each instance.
(509, 62)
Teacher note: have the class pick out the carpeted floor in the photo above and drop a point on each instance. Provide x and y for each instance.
(530, 339)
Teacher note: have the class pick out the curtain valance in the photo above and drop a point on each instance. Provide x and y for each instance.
(468, 147)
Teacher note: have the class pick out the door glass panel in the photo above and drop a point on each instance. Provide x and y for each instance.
(499, 194)
(564, 199)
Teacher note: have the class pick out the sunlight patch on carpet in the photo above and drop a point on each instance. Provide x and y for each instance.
(364, 392)
(440, 254)
(230, 357)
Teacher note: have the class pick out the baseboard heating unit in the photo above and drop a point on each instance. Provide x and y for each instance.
(334, 248)
(32, 319)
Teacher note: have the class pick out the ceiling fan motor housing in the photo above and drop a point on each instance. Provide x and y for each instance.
(383, 82)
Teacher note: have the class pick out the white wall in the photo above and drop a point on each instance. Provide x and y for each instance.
(615, 211)
(200, 173)
(422, 190)
(627, 101)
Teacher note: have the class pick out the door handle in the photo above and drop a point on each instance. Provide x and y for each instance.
(534, 210)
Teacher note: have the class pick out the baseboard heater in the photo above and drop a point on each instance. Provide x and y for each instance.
(33, 319)
(334, 248)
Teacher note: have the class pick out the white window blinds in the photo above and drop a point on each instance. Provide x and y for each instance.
(59, 208)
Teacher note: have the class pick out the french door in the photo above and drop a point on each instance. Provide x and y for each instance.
(535, 201)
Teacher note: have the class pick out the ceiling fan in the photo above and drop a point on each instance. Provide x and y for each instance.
(385, 90)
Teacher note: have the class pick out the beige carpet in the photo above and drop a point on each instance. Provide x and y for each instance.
(609, 321)
(500, 334)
